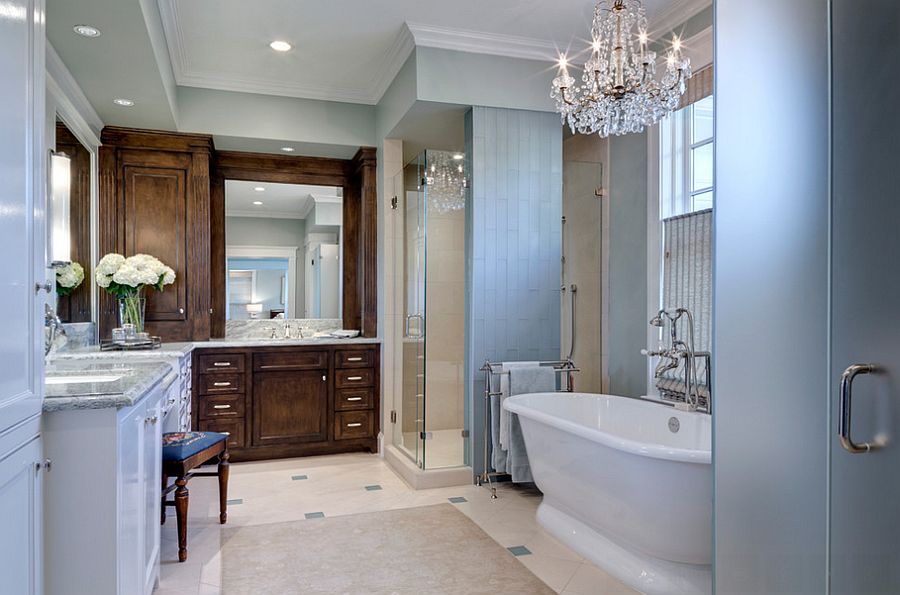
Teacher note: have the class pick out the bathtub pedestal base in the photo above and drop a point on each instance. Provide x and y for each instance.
(639, 571)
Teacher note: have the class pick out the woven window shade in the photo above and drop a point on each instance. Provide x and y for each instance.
(699, 87)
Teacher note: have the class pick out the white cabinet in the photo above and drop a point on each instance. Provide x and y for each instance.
(23, 166)
(20, 521)
(103, 498)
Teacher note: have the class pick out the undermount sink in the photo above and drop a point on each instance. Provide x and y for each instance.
(93, 379)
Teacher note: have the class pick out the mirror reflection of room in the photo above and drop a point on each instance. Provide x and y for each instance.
(73, 285)
(283, 257)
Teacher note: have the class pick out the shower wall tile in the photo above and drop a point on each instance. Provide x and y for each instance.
(514, 244)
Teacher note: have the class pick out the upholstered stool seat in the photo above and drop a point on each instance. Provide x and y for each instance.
(182, 452)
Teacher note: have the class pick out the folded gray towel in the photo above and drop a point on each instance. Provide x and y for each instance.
(522, 380)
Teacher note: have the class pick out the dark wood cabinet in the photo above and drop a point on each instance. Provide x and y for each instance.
(289, 401)
(290, 407)
(154, 199)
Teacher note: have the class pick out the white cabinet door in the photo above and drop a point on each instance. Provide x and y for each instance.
(20, 521)
(131, 501)
(151, 445)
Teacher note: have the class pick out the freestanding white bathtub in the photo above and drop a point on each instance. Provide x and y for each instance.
(627, 483)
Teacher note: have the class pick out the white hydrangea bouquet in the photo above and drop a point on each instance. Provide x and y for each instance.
(126, 279)
(69, 278)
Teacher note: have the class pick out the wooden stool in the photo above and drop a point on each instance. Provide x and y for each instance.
(182, 452)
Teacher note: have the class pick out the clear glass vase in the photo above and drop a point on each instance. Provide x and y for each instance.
(131, 311)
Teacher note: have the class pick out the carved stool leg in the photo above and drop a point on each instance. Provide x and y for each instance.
(162, 508)
(223, 487)
(181, 510)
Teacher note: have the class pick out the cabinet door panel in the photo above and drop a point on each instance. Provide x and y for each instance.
(20, 531)
(153, 195)
(290, 407)
(151, 453)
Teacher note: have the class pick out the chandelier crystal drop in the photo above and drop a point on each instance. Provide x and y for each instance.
(619, 92)
(446, 181)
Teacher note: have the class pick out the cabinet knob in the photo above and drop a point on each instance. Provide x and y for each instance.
(152, 419)
(323, 377)
(181, 310)
(46, 465)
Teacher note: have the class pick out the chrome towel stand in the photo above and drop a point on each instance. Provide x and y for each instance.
(495, 370)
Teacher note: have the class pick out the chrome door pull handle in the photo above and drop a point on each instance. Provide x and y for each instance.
(846, 409)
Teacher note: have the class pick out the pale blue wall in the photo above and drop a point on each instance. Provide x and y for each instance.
(628, 319)
(513, 236)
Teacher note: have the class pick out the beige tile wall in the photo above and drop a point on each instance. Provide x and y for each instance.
(585, 231)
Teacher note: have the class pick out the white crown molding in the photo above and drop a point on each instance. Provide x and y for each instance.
(400, 51)
(72, 103)
(265, 215)
(478, 42)
(678, 12)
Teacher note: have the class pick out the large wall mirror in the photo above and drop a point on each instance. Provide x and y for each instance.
(283, 251)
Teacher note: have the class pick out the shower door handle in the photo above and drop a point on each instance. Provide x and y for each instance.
(846, 409)
(420, 329)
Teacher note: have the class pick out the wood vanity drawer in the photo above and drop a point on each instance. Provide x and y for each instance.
(354, 424)
(222, 406)
(356, 358)
(354, 398)
(216, 384)
(234, 427)
(352, 378)
(213, 363)
(290, 360)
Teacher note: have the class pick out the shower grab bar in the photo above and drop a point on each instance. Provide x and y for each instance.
(566, 366)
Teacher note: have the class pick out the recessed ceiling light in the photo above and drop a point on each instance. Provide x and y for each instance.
(287, 149)
(458, 156)
(123, 102)
(280, 46)
(260, 189)
(86, 30)
(257, 202)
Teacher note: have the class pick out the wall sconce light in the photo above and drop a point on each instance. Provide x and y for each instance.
(254, 310)
(60, 190)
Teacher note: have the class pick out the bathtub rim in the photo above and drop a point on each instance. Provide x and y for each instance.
(515, 405)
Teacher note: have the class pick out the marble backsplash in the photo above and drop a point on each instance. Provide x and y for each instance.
(265, 328)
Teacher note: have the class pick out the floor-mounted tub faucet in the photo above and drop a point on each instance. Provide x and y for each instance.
(677, 349)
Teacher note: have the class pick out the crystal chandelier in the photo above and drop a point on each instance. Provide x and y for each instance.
(619, 92)
(446, 181)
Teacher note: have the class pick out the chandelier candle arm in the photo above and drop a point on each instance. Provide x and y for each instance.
(620, 92)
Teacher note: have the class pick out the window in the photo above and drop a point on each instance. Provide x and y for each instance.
(686, 160)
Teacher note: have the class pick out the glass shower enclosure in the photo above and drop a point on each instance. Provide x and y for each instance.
(429, 296)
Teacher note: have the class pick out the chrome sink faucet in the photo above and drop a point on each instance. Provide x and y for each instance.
(53, 327)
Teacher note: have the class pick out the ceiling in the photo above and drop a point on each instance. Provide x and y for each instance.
(350, 50)
(280, 201)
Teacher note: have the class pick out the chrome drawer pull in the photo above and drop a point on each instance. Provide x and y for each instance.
(221, 406)
(354, 398)
(846, 405)
(354, 359)
(221, 384)
(226, 433)
(354, 378)
(356, 425)
(222, 364)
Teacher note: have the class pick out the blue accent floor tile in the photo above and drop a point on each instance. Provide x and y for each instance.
(373, 488)
(316, 515)
(299, 477)
(457, 499)
(235, 501)
(519, 550)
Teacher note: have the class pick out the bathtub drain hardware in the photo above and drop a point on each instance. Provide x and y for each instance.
(674, 425)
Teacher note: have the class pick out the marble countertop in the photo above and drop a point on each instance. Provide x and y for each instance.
(178, 350)
(136, 380)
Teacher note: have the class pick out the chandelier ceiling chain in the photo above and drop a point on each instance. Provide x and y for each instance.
(619, 93)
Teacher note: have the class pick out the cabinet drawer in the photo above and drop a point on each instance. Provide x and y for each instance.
(354, 424)
(221, 406)
(354, 398)
(356, 358)
(216, 384)
(212, 363)
(233, 427)
(290, 360)
(352, 378)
